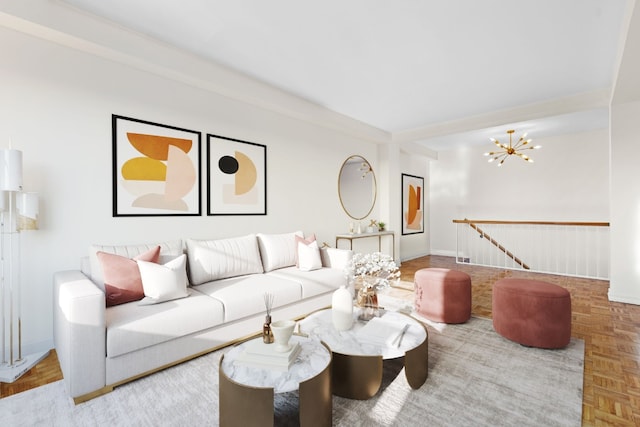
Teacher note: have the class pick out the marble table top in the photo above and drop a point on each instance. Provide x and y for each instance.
(365, 342)
(313, 359)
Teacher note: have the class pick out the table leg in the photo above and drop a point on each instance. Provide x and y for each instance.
(316, 403)
(416, 363)
(241, 405)
(356, 377)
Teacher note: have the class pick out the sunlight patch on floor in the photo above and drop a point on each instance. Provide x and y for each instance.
(387, 408)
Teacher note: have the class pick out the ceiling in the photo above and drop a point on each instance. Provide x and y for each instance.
(438, 73)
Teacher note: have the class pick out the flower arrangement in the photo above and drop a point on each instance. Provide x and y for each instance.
(376, 270)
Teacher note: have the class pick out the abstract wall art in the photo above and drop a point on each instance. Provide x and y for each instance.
(236, 177)
(412, 204)
(156, 169)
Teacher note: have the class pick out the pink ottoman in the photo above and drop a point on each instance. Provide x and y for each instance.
(443, 295)
(532, 313)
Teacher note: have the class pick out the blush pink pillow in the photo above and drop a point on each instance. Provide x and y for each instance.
(122, 281)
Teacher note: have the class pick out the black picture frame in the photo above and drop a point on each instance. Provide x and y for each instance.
(413, 196)
(155, 169)
(236, 177)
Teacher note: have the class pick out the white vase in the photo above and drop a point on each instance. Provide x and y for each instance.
(342, 309)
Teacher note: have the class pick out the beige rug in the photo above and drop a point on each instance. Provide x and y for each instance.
(476, 378)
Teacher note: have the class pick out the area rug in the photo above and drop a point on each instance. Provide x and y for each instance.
(476, 378)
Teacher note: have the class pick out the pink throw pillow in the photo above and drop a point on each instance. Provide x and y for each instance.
(122, 281)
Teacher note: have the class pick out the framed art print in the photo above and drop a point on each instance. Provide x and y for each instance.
(412, 204)
(156, 169)
(236, 177)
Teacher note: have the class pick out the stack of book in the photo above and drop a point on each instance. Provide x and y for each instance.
(261, 355)
(382, 332)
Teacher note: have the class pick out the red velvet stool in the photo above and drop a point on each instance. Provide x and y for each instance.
(443, 295)
(532, 313)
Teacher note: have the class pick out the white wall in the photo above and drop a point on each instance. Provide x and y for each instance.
(625, 194)
(56, 106)
(625, 204)
(416, 245)
(568, 181)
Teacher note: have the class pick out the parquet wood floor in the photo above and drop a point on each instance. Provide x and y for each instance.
(611, 332)
(45, 372)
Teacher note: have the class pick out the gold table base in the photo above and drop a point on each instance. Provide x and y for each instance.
(360, 377)
(241, 405)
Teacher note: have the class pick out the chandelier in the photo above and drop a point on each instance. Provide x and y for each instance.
(509, 150)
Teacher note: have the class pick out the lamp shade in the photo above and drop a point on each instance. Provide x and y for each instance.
(10, 170)
(27, 207)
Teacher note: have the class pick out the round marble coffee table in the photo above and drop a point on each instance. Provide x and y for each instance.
(358, 353)
(247, 392)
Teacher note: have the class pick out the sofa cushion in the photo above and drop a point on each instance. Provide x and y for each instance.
(131, 327)
(314, 282)
(244, 296)
(122, 281)
(168, 251)
(164, 282)
(278, 250)
(218, 259)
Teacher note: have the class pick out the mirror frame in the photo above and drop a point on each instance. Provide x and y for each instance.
(374, 185)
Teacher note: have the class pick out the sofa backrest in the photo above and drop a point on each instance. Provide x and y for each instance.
(218, 259)
(278, 250)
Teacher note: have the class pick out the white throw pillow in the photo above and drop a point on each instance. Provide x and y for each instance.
(309, 256)
(163, 282)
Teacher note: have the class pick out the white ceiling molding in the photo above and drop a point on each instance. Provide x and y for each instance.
(419, 150)
(416, 79)
(69, 27)
(627, 88)
(588, 101)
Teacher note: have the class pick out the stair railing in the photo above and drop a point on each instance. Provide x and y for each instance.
(571, 248)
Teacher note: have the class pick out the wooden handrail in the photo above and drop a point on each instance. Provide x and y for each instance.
(495, 243)
(571, 223)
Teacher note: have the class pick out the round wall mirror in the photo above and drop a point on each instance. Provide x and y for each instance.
(357, 187)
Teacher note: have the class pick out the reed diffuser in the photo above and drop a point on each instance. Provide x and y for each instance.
(267, 334)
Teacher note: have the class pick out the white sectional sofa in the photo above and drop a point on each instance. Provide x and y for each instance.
(101, 347)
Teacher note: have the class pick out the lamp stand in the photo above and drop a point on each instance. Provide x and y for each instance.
(10, 298)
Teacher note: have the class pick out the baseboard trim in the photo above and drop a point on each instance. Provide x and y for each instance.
(626, 299)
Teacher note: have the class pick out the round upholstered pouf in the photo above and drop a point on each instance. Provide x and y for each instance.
(443, 295)
(532, 312)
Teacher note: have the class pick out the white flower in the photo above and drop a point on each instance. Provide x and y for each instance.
(378, 267)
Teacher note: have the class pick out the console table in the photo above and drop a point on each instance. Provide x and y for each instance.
(379, 234)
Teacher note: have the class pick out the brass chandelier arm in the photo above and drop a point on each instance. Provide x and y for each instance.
(508, 150)
(524, 157)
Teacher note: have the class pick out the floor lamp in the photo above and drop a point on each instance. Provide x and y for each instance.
(19, 212)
